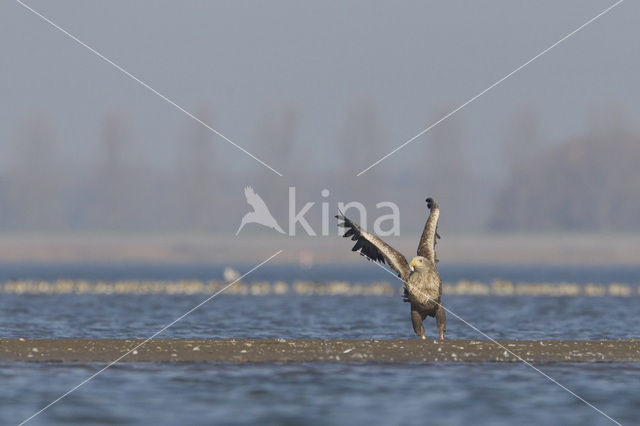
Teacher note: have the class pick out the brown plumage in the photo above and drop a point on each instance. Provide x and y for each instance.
(423, 287)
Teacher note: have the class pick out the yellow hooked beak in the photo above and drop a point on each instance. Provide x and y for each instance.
(412, 264)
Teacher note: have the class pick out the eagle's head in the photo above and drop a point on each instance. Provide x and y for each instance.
(419, 263)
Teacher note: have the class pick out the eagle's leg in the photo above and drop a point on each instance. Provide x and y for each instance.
(416, 320)
(441, 321)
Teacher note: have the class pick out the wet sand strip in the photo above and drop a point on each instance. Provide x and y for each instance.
(281, 350)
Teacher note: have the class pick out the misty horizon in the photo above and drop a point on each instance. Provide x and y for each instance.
(323, 93)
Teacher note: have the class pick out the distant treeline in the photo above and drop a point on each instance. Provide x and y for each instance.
(590, 183)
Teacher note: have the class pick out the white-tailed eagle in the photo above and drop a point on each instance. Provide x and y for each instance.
(423, 287)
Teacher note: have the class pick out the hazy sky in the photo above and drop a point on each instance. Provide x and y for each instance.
(243, 60)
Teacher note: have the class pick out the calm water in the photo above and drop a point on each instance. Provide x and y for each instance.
(317, 393)
(204, 394)
(363, 272)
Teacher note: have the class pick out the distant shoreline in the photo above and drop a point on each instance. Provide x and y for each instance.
(522, 249)
(284, 350)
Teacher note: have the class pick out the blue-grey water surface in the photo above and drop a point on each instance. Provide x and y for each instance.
(317, 393)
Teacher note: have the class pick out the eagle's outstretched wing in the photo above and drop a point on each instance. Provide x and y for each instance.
(427, 246)
(374, 248)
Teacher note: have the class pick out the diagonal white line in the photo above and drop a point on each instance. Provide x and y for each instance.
(147, 340)
(492, 86)
(145, 85)
(500, 344)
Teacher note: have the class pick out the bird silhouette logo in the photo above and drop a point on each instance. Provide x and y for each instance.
(260, 213)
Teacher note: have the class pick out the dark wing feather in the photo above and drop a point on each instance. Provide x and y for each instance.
(428, 241)
(374, 248)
